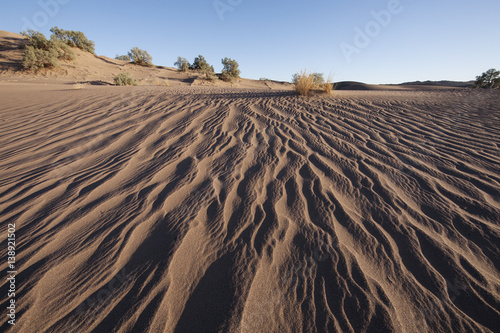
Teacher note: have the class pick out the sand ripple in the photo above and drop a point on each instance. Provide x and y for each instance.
(198, 210)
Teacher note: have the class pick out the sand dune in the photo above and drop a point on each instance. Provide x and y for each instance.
(89, 69)
(193, 209)
(352, 85)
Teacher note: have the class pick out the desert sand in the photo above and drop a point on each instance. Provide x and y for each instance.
(245, 208)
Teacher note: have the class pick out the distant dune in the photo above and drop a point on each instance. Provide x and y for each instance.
(245, 208)
(455, 84)
(352, 85)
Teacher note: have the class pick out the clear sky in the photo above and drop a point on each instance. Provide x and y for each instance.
(373, 41)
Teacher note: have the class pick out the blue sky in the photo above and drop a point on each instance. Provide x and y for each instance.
(373, 41)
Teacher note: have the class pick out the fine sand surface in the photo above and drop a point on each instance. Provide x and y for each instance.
(197, 209)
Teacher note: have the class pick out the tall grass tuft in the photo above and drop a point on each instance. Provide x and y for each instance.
(328, 85)
(303, 83)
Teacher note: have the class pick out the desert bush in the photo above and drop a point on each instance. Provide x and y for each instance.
(182, 64)
(35, 59)
(230, 72)
(210, 74)
(489, 79)
(36, 39)
(318, 79)
(125, 79)
(211, 77)
(64, 52)
(200, 64)
(42, 53)
(73, 39)
(122, 57)
(140, 57)
(227, 78)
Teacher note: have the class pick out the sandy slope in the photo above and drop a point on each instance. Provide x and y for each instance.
(89, 69)
(191, 209)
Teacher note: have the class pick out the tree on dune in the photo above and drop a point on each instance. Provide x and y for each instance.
(489, 79)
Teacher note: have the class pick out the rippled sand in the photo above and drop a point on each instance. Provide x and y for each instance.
(186, 209)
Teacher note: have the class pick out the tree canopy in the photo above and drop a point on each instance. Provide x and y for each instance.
(489, 79)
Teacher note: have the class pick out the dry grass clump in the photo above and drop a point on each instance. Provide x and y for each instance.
(304, 83)
(328, 85)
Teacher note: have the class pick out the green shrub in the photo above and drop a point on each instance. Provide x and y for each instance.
(211, 77)
(122, 57)
(210, 74)
(35, 59)
(200, 64)
(36, 39)
(125, 79)
(227, 78)
(140, 57)
(489, 79)
(318, 79)
(73, 39)
(64, 52)
(230, 72)
(182, 64)
(42, 53)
